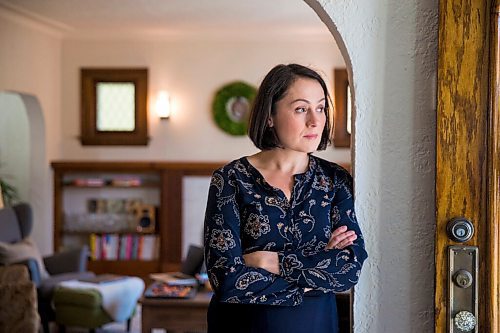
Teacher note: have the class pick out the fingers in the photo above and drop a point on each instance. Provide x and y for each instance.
(346, 242)
(341, 237)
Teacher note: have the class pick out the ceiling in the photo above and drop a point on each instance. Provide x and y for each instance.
(171, 17)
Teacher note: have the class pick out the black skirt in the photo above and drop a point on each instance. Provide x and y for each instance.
(316, 314)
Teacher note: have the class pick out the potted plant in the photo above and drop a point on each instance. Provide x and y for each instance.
(9, 193)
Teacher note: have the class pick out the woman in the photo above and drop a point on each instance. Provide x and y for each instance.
(281, 234)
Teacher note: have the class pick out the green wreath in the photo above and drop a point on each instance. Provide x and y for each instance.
(231, 107)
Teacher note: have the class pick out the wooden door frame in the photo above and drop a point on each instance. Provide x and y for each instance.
(493, 213)
(467, 147)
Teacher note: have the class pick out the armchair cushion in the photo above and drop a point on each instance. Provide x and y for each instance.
(23, 250)
(10, 230)
(17, 301)
(16, 223)
(73, 260)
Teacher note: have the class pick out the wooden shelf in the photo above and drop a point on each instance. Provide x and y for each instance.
(131, 232)
(112, 186)
(164, 176)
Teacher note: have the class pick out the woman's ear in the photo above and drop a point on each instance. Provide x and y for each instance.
(270, 122)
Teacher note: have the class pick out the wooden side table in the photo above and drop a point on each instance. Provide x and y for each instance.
(176, 315)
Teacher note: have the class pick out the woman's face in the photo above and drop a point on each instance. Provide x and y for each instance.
(300, 116)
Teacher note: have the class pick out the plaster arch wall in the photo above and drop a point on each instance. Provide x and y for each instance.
(390, 48)
(22, 154)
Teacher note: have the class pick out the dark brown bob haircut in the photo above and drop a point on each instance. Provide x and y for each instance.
(272, 89)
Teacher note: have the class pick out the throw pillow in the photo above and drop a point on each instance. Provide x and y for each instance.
(25, 249)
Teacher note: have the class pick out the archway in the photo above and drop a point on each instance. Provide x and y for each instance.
(22, 154)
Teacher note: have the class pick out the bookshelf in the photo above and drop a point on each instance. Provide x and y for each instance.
(96, 200)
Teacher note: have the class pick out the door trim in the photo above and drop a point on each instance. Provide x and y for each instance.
(494, 171)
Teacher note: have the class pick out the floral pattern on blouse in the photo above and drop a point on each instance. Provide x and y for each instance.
(246, 214)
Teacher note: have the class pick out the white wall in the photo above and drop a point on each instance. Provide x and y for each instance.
(392, 47)
(191, 71)
(30, 62)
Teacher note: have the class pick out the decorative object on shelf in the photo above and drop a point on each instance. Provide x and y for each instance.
(99, 222)
(231, 107)
(145, 217)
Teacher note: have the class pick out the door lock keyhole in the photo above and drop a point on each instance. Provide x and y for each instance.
(460, 229)
(463, 278)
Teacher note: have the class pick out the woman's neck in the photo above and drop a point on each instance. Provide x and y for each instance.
(281, 161)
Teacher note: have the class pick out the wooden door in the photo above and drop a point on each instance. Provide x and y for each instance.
(468, 148)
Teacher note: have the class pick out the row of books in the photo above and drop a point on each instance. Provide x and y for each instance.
(124, 247)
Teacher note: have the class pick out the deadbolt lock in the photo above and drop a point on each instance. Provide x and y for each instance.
(460, 229)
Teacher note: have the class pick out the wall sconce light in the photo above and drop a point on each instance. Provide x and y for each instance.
(162, 105)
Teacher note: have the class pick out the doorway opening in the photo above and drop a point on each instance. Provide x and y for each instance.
(22, 154)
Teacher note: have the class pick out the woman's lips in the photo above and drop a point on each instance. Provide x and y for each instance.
(311, 136)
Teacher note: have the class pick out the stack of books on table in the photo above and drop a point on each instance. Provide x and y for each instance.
(172, 285)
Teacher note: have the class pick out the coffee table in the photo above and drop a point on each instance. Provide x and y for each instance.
(176, 315)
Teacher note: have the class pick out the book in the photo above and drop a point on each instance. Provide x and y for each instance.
(148, 249)
(174, 279)
(91, 182)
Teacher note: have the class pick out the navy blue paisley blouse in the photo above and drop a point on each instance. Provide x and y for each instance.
(246, 214)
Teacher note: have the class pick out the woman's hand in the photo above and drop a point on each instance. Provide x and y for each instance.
(341, 238)
(263, 259)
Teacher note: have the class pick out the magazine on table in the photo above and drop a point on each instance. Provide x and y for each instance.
(163, 290)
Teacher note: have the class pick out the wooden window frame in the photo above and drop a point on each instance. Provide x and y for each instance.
(90, 135)
(341, 137)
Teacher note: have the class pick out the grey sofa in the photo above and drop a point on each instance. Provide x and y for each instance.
(16, 223)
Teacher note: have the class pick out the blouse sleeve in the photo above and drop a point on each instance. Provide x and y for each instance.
(230, 278)
(334, 269)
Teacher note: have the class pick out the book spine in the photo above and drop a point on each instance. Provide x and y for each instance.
(123, 247)
(92, 246)
(128, 255)
(97, 244)
(139, 248)
(148, 247)
(103, 247)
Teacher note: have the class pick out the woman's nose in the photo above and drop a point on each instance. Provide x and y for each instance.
(312, 119)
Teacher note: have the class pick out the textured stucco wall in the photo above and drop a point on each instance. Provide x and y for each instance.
(392, 49)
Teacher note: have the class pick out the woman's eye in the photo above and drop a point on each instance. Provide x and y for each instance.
(301, 110)
(320, 109)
